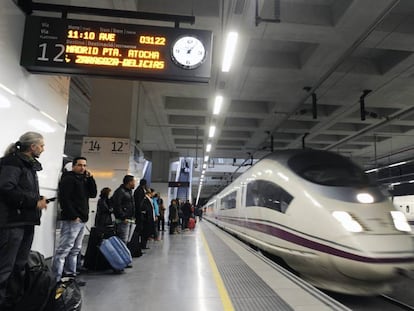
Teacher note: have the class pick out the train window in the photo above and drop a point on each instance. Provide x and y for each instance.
(267, 194)
(229, 201)
(328, 169)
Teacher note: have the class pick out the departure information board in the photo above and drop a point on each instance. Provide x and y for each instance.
(53, 45)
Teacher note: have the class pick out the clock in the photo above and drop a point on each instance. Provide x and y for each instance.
(188, 52)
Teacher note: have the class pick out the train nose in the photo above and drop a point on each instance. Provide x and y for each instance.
(377, 258)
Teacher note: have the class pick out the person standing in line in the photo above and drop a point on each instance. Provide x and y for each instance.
(104, 209)
(173, 216)
(124, 208)
(139, 195)
(148, 217)
(186, 210)
(154, 196)
(161, 219)
(75, 189)
(20, 208)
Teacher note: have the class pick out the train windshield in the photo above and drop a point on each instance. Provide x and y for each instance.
(329, 169)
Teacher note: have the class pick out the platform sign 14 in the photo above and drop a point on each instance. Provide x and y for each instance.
(105, 145)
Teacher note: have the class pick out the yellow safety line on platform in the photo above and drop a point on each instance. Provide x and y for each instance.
(224, 295)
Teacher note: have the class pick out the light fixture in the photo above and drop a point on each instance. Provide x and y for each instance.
(347, 221)
(217, 104)
(229, 49)
(400, 221)
(208, 148)
(211, 131)
(206, 159)
(397, 164)
(364, 197)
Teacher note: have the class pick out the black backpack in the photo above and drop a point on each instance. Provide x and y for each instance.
(66, 296)
(38, 284)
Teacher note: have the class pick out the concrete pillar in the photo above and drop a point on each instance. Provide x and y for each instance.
(110, 145)
(111, 107)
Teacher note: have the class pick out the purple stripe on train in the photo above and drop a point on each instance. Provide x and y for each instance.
(296, 239)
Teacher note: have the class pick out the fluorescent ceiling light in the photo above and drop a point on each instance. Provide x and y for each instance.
(204, 166)
(372, 170)
(208, 148)
(41, 126)
(229, 50)
(397, 164)
(205, 159)
(211, 131)
(217, 104)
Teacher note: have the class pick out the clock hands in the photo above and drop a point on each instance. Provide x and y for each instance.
(189, 50)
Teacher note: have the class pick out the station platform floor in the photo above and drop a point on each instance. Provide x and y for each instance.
(206, 270)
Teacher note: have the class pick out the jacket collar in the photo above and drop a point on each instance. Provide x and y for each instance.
(29, 161)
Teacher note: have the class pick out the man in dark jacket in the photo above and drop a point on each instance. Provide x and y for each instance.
(75, 189)
(124, 208)
(148, 218)
(20, 208)
(139, 195)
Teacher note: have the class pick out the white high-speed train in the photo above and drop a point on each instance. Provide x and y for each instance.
(320, 213)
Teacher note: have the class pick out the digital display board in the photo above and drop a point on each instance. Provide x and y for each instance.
(53, 45)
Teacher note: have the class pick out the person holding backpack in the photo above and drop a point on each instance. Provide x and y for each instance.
(20, 209)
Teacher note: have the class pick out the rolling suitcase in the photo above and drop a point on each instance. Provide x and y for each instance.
(116, 252)
(94, 260)
(191, 223)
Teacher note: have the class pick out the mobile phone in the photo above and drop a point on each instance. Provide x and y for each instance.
(50, 200)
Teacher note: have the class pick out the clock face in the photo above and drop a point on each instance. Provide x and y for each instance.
(188, 52)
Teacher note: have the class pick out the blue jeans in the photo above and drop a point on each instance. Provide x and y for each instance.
(70, 244)
(125, 231)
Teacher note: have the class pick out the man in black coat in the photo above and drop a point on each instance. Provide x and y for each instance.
(20, 209)
(136, 240)
(75, 189)
(124, 208)
(148, 218)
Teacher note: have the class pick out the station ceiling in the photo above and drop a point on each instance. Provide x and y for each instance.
(339, 50)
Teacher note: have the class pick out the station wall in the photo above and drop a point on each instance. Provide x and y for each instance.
(30, 102)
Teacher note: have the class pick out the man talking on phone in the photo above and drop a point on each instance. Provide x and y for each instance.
(76, 187)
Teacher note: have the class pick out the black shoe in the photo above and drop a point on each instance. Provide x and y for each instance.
(129, 266)
(145, 248)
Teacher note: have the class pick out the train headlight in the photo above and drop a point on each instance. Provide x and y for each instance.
(347, 221)
(364, 197)
(400, 221)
